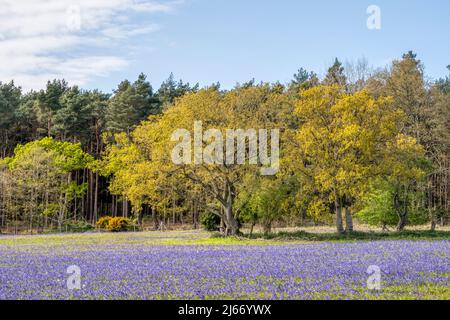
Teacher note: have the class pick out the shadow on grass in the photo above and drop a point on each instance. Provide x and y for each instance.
(353, 236)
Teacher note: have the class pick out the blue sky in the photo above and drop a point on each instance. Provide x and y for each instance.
(207, 41)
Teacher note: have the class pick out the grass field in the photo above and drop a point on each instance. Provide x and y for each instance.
(292, 264)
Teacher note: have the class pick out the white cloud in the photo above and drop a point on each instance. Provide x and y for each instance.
(122, 32)
(45, 39)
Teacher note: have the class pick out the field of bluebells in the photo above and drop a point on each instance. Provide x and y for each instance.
(184, 266)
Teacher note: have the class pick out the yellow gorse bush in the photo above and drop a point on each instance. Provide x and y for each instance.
(114, 224)
(103, 222)
(118, 224)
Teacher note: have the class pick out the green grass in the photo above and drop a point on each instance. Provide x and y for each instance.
(130, 238)
(354, 236)
(205, 238)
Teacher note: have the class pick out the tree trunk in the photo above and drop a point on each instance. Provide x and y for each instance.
(339, 224)
(433, 225)
(139, 219)
(401, 222)
(195, 214)
(232, 227)
(401, 207)
(267, 228)
(90, 199)
(125, 208)
(267, 224)
(348, 220)
(96, 198)
(222, 226)
(154, 218)
(174, 209)
(432, 214)
(230, 222)
(431, 200)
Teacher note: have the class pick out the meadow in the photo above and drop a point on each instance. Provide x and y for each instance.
(196, 265)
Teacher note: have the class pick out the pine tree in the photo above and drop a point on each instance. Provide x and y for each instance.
(335, 75)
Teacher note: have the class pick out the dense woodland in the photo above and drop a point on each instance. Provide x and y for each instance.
(371, 145)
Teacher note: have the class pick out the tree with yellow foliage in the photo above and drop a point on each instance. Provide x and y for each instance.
(346, 140)
(143, 167)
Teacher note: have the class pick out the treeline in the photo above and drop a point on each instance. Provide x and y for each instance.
(72, 115)
(367, 144)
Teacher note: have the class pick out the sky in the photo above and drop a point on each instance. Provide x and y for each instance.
(98, 43)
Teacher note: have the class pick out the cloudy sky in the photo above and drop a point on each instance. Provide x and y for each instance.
(98, 43)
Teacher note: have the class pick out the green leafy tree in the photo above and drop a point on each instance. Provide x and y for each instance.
(378, 207)
(40, 174)
(264, 200)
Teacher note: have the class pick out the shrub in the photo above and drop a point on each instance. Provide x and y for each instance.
(378, 208)
(78, 226)
(114, 224)
(103, 222)
(118, 224)
(210, 221)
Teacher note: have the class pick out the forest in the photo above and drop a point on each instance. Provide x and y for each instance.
(359, 144)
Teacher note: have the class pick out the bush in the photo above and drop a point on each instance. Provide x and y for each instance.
(210, 221)
(103, 222)
(118, 224)
(114, 224)
(77, 226)
(378, 209)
